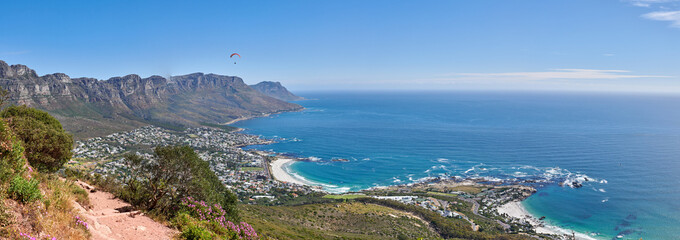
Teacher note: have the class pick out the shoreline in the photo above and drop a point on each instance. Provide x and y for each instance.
(259, 116)
(278, 170)
(243, 119)
(515, 209)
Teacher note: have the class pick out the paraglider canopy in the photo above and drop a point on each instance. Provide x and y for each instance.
(232, 55)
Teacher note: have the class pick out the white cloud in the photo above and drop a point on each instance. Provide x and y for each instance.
(648, 3)
(670, 16)
(554, 74)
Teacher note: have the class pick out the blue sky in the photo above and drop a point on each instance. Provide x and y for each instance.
(585, 45)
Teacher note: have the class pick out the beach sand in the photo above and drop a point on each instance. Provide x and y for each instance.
(280, 174)
(516, 210)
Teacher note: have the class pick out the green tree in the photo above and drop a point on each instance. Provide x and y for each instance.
(47, 146)
(175, 172)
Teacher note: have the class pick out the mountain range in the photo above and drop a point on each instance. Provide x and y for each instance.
(88, 107)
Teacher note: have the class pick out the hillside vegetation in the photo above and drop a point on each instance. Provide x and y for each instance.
(175, 186)
(34, 204)
(336, 221)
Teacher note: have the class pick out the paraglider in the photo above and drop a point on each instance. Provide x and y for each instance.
(234, 54)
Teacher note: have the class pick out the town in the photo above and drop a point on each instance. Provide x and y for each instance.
(245, 172)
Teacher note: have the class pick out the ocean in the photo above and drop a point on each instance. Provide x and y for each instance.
(627, 146)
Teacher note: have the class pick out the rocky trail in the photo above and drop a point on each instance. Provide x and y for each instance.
(110, 218)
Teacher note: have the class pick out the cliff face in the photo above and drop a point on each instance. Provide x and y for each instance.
(88, 105)
(276, 90)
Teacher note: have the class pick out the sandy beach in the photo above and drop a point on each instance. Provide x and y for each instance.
(516, 210)
(279, 173)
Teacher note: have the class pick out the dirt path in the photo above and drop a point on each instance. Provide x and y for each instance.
(110, 218)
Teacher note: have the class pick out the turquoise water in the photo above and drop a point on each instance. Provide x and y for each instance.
(627, 146)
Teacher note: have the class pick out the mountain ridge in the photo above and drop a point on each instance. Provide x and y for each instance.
(91, 107)
(276, 90)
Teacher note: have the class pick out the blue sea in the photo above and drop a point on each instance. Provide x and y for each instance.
(627, 146)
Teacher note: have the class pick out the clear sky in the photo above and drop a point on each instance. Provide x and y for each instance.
(614, 45)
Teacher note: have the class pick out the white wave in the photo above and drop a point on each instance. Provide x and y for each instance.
(605, 200)
(603, 181)
(396, 180)
(519, 174)
(553, 172)
(314, 159)
(366, 159)
(442, 160)
(579, 178)
(529, 167)
(469, 170)
(433, 168)
(423, 179)
(601, 190)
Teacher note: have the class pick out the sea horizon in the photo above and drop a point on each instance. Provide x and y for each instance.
(497, 149)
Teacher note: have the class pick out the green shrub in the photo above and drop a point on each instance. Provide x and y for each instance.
(12, 159)
(24, 190)
(47, 146)
(196, 233)
(175, 174)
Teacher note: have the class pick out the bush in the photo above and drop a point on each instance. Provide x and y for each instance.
(216, 219)
(47, 146)
(196, 233)
(24, 190)
(12, 158)
(175, 173)
(210, 220)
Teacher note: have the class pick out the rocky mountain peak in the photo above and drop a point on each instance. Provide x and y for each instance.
(16, 71)
(58, 77)
(276, 90)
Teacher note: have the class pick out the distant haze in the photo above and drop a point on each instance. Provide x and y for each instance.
(536, 45)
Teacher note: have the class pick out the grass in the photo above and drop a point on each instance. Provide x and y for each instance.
(335, 221)
(52, 215)
(252, 169)
(442, 194)
(345, 196)
(468, 189)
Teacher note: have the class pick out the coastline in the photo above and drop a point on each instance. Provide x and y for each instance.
(515, 209)
(278, 170)
(243, 119)
(259, 116)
